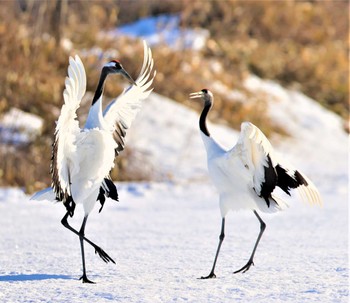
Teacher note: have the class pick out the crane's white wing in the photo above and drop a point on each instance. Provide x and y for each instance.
(268, 171)
(120, 113)
(257, 154)
(67, 129)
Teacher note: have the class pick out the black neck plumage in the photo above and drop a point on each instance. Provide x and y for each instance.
(100, 86)
(203, 118)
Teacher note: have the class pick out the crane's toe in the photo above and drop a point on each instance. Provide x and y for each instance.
(210, 276)
(85, 279)
(245, 267)
(103, 255)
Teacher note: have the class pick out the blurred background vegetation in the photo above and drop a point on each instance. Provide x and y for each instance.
(300, 44)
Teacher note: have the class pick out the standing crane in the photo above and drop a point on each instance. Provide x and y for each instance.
(247, 175)
(83, 158)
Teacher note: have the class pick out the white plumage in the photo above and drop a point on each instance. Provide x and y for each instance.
(246, 175)
(240, 172)
(83, 158)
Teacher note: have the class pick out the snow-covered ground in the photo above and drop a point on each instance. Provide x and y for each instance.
(163, 235)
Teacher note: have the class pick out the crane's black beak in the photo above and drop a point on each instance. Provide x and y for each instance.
(127, 76)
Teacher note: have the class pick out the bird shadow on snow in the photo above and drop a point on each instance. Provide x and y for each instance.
(32, 277)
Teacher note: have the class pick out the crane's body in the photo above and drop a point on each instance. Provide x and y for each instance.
(83, 158)
(247, 174)
(232, 176)
(89, 164)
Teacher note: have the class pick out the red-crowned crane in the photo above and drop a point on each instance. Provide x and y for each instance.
(246, 175)
(83, 158)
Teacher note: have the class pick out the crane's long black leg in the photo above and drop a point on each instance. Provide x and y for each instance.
(84, 277)
(221, 239)
(103, 255)
(250, 261)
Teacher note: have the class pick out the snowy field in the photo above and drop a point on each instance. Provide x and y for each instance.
(163, 235)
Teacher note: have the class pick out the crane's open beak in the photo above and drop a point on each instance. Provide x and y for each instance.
(196, 95)
(127, 76)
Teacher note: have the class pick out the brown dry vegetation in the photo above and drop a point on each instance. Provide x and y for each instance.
(302, 44)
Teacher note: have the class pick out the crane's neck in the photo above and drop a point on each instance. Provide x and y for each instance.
(211, 146)
(95, 116)
(203, 118)
(100, 86)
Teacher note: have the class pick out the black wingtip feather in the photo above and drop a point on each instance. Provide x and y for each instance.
(112, 190)
(279, 176)
(300, 179)
(109, 190)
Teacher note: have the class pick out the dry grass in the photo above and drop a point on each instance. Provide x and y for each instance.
(302, 44)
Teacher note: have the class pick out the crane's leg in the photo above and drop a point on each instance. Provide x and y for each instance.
(221, 239)
(103, 255)
(250, 261)
(84, 277)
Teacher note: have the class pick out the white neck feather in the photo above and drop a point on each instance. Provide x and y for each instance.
(211, 146)
(95, 118)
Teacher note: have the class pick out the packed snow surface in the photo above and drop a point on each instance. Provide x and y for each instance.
(163, 235)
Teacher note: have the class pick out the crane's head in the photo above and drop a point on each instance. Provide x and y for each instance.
(205, 94)
(115, 67)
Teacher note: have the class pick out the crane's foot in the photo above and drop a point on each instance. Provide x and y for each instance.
(210, 276)
(85, 279)
(245, 267)
(103, 255)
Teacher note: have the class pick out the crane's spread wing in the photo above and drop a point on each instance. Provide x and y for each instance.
(67, 129)
(120, 113)
(268, 171)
